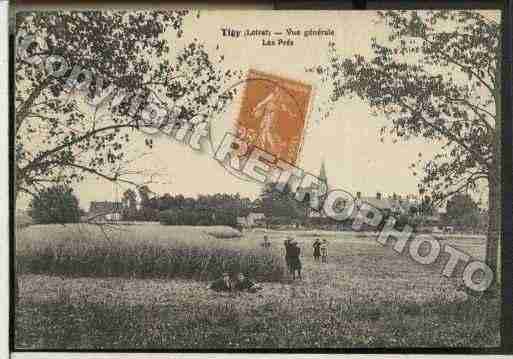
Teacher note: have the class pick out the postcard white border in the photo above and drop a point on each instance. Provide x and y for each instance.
(4, 179)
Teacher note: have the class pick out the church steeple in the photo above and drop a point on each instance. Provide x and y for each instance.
(311, 212)
(322, 174)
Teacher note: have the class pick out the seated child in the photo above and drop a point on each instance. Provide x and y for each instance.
(244, 283)
(223, 284)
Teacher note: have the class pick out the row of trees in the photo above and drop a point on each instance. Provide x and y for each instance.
(279, 207)
(198, 217)
(58, 204)
(149, 205)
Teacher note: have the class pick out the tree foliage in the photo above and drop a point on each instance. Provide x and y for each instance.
(55, 204)
(187, 216)
(129, 203)
(436, 76)
(281, 206)
(87, 82)
(462, 212)
(218, 208)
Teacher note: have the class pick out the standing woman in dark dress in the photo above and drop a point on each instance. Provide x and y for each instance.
(288, 251)
(317, 249)
(295, 262)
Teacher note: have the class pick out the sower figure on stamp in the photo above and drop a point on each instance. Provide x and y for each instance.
(268, 109)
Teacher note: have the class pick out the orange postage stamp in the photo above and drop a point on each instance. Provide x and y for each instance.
(273, 114)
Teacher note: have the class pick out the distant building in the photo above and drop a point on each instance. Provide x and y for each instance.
(252, 220)
(383, 204)
(105, 210)
(255, 219)
(395, 205)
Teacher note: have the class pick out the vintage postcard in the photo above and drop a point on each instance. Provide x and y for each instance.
(257, 180)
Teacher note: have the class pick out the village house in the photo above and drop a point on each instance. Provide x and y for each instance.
(105, 211)
(395, 205)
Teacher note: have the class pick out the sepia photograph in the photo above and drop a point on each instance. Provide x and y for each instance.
(234, 180)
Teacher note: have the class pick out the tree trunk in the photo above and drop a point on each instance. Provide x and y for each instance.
(15, 269)
(494, 234)
(493, 242)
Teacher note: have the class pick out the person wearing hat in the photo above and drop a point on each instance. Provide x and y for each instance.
(295, 261)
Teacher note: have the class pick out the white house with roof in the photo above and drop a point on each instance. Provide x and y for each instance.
(105, 211)
(251, 220)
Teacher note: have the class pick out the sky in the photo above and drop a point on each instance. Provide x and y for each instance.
(347, 141)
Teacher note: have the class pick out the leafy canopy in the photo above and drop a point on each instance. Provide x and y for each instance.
(436, 76)
(88, 80)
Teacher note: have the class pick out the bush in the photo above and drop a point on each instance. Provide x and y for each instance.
(225, 218)
(56, 204)
(197, 217)
(169, 217)
(185, 217)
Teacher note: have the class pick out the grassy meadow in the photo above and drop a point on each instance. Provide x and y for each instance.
(72, 295)
(148, 251)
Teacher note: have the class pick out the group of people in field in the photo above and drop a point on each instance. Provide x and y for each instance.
(293, 254)
(320, 250)
(292, 257)
(240, 282)
(232, 283)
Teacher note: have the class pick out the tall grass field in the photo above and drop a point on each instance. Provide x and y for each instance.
(146, 251)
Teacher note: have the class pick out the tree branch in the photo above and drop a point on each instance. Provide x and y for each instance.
(47, 153)
(25, 107)
(114, 178)
(452, 60)
(446, 133)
